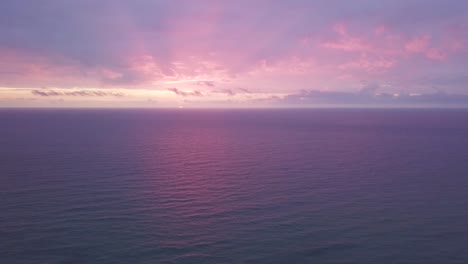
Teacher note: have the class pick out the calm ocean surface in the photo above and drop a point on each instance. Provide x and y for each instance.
(233, 186)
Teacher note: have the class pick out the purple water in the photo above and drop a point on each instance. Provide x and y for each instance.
(233, 186)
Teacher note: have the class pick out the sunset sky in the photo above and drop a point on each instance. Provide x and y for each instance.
(256, 53)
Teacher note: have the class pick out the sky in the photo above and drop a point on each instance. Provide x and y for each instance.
(243, 53)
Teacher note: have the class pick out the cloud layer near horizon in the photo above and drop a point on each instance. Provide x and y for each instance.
(235, 51)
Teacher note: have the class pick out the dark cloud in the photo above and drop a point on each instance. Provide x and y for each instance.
(244, 90)
(451, 80)
(231, 92)
(317, 98)
(206, 83)
(369, 88)
(184, 93)
(439, 98)
(47, 93)
(228, 92)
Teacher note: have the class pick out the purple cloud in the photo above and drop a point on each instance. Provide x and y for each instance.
(184, 93)
(371, 99)
(84, 93)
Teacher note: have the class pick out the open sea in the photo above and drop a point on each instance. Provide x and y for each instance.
(233, 186)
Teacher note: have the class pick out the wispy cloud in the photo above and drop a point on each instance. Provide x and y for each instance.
(369, 96)
(84, 93)
(206, 83)
(185, 93)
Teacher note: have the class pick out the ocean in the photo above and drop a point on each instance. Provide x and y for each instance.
(233, 186)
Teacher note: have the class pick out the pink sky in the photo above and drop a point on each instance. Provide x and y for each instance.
(233, 53)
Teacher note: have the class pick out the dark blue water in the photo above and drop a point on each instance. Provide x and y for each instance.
(238, 186)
